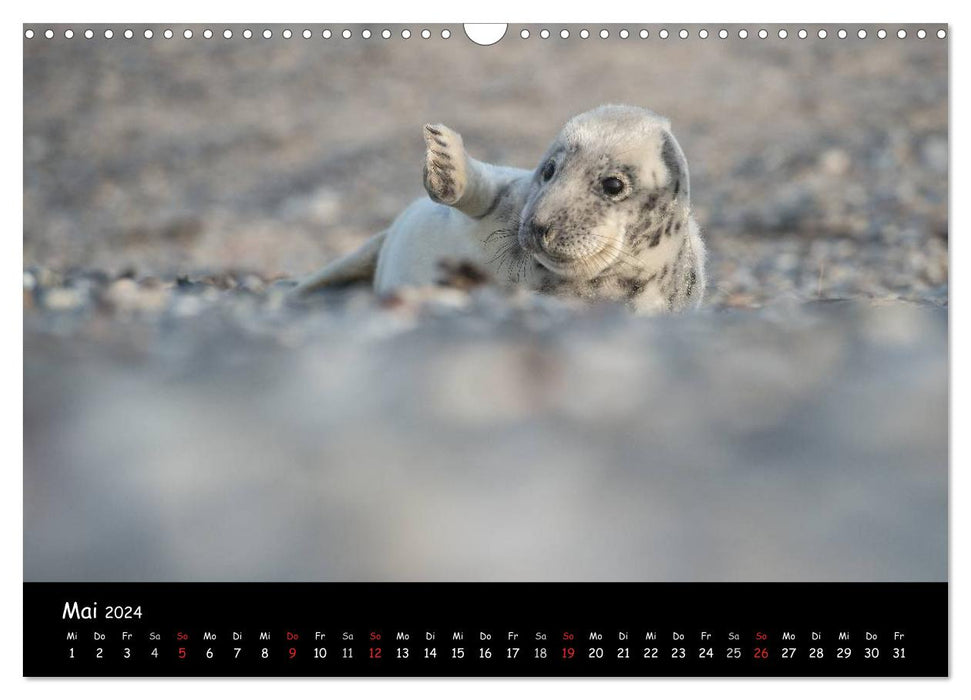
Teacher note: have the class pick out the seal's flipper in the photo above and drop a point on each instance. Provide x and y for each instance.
(357, 266)
(445, 170)
(454, 178)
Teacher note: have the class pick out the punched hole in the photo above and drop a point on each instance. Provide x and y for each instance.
(485, 34)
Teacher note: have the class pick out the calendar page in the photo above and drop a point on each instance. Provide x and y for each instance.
(485, 350)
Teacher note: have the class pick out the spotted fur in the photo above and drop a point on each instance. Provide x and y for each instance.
(642, 247)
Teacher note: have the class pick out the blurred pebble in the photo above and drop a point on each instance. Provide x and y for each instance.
(835, 162)
(62, 299)
(252, 283)
(127, 296)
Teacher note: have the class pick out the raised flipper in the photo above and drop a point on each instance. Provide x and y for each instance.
(356, 266)
(455, 179)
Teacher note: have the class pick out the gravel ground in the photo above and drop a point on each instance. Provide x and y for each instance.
(183, 421)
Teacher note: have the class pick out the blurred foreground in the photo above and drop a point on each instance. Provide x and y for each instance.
(501, 440)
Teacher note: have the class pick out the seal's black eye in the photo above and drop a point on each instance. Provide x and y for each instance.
(612, 186)
(548, 170)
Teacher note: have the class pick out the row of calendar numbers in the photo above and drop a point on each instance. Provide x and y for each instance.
(567, 653)
(485, 653)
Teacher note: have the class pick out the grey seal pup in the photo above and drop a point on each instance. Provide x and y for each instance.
(605, 216)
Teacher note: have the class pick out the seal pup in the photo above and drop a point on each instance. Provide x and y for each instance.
(605, 216)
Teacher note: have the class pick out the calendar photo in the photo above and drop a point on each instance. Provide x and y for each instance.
(566, 310)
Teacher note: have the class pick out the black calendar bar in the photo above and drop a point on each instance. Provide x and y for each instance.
(479, 629)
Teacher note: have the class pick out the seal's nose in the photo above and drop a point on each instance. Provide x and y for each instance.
(540, 233)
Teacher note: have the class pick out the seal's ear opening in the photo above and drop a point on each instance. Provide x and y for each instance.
(677, 166)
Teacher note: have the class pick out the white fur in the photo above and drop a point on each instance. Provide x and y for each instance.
(427, 234)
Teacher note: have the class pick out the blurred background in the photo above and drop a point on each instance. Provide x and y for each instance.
(184, 422)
